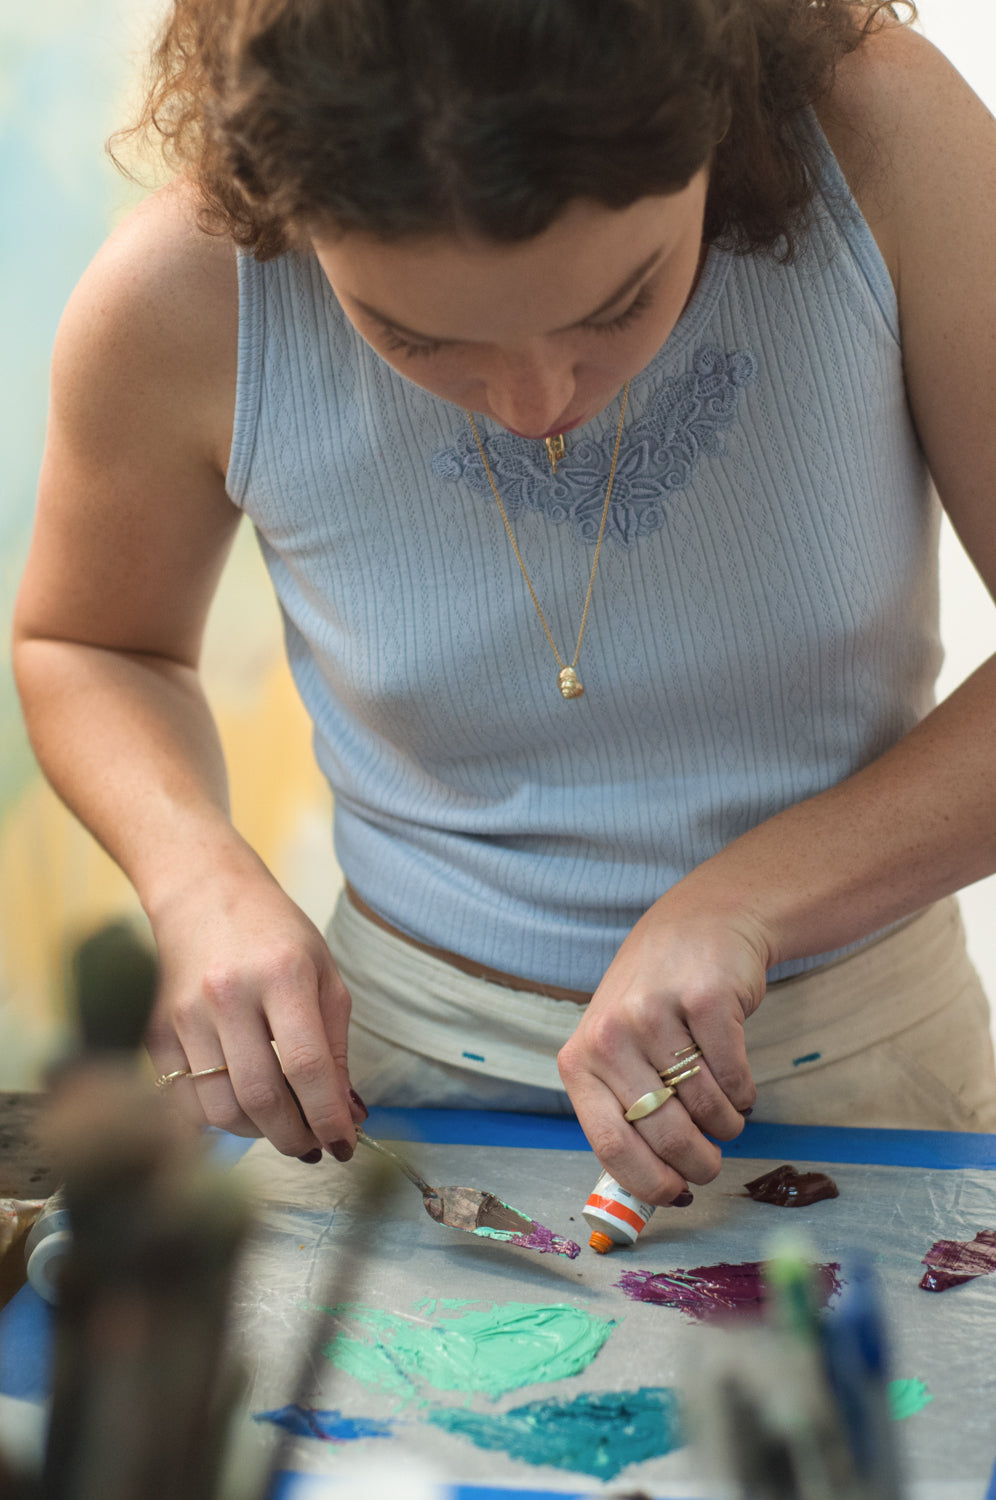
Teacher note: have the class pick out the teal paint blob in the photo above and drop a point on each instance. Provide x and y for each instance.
(797, 1062)
(474, 1056)
(907, 1397)
(597, 1434)
(464, 1346)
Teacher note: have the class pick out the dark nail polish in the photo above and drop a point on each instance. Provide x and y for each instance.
(341, 1150)
(748, 1111)
(682, 1200)
(358, 1102)
(312, 1156)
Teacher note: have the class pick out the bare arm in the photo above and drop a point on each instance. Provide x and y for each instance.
(132, 531)
(918, 823)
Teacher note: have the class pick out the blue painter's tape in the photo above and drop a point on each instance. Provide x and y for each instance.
(941, 1149)
(945, 1150)
(797, 1062)
(290, 1486)
(474, 1056)
(478, 1127)
(27, 1344)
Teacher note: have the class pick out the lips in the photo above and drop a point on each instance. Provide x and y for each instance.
(539, 437)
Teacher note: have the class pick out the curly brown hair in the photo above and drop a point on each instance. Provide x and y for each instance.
(408, 117)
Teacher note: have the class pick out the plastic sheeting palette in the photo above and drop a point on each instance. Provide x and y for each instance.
(366, 1328)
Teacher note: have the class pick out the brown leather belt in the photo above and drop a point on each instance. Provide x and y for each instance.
(468, 965)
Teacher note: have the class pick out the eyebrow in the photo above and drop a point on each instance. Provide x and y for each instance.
(634, 277)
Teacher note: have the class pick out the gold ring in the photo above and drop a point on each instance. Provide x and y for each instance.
(685, 1051)
(647, 1103)
(166, 1080)
(679, 1075)
(679, 1068)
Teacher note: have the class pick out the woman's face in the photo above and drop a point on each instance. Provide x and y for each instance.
(540, 335)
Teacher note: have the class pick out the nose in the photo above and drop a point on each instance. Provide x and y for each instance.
(529, 390)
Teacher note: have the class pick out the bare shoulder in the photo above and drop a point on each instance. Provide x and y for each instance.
(155, 317)
(926, 180)
(133, 521)
(909, 133)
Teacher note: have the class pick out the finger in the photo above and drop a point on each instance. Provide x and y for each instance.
(169, 1059)
(619, 1146)
(310, 1040)
(253, 1097)
(219, 1105)
(703, 1098)
(676, 1138)
(719, 1033)
(675, 1130)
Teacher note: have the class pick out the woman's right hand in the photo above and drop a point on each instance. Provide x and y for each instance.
(247, 981)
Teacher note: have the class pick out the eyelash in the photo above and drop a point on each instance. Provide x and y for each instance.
(397, 345)
(643, 299)
(639, 304)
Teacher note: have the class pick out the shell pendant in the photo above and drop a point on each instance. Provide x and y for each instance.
(567, 681)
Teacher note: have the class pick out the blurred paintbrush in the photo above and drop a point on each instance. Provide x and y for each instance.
(141, 1390)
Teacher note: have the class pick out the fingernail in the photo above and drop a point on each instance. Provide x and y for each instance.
(358, 1102)
(682, 1200)
(341, 1150)
(312, 1156)
(748, 1111)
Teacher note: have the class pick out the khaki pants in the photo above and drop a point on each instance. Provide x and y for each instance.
(894, 1036)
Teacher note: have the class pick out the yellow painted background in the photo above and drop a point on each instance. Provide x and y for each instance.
(67, 76)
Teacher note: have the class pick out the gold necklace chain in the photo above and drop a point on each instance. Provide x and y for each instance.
(567, 677)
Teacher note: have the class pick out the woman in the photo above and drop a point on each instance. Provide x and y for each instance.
(581, 370)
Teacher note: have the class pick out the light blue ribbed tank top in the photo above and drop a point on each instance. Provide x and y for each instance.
(764, 619)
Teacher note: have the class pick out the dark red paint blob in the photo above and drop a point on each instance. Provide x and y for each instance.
(788, 1188)
(709, 1293)
(951, 1262)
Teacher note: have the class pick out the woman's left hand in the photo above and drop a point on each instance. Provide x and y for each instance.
(683, 976)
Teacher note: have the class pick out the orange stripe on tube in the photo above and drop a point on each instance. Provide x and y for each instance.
(618, 1210)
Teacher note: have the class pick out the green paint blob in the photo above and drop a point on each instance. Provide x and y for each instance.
(465, 1346)
(593, 1434)
(907, 1397)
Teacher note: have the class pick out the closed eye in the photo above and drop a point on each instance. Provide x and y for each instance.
(643, 299)
(396, 343)
(412, 350)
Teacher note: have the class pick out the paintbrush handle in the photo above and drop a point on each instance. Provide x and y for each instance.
(399, 1161)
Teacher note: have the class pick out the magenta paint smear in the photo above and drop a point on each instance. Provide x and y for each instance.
(546, 1242)
(951, 1262)
(711, 1293)
(786, 1187)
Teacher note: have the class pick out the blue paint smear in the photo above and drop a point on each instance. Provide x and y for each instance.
(329, 1426)
(797, 1062)
(597, 1434)
(474, 1056)
(991, 1491)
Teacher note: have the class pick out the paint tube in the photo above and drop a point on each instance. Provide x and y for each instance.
(614, 1216)
(47, 1246)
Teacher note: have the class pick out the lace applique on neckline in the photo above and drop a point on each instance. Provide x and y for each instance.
(659, 455)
